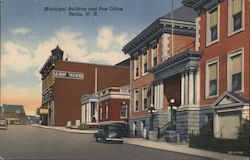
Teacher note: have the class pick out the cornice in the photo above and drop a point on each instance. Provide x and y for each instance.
(154, 31)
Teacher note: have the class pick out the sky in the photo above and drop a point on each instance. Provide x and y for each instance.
(91, 31)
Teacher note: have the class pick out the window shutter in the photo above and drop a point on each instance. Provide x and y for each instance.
(213, 71)
(236, 64)
(237, 6)
(213, 18)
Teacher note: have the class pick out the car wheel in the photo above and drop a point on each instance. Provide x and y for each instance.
(103, 140)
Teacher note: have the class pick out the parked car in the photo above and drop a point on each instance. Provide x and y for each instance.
(17, 122)
(3, 124)
(109, 133)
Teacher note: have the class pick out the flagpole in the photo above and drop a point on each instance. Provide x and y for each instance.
(172, 28)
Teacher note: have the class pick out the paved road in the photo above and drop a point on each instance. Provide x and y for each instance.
(29, 142)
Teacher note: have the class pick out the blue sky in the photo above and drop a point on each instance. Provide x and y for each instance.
(29, 33)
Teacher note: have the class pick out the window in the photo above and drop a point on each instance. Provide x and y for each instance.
(235, 67)
(136, 67)
(154, 56)
(235, 13)
(145, 98)
(212, 25)
(123, 110)
(144, 63)
(136, 100)
(212, 79)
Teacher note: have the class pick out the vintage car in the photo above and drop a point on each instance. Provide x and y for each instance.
(109, 133)
(3, 124)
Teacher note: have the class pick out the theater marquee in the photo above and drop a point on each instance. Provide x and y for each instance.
(69, 75)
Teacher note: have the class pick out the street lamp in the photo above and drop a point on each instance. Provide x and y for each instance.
(151, 110)
(172, 107)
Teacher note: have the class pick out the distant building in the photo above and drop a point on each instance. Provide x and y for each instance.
(14, 114)
(64, 82)
(108, 105)
(1, 112)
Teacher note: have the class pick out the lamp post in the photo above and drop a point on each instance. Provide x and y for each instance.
(172, 101)
(151, 110)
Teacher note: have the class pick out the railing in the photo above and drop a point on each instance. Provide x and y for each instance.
(169, 126)
(188, 47)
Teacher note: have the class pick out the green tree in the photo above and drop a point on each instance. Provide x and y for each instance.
(244, 130)
(207, 129)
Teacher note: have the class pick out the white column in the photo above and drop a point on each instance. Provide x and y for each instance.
(197, 80)
(191, 87)
(97, 113)
(87, 112)
(182, 89)
(82, 113)
(161, 94)
(216, 126)
(186, 88)
(155, 98)
(90, 117)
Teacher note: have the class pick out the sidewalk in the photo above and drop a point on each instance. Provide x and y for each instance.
(159, 145)
(66, 129)
(182, 149)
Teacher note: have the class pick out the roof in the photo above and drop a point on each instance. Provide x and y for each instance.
(184, 24)
(125, 63)
(182, 14)
(9, 108)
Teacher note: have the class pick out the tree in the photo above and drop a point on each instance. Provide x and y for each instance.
(244, 130)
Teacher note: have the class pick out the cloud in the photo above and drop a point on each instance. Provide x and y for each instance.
(106, 38)
(72, 43)
(15, 57)
(110, 57)
(19, 59)
(21, 30)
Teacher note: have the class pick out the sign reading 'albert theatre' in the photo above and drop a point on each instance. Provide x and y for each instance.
(70, 75)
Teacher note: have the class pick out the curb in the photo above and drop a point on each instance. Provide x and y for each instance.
(182, 149)
(66, 130)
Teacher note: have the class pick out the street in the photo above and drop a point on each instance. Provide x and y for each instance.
(29, 142)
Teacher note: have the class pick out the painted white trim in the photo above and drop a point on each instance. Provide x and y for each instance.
(239, 51)
(165, 46)
(114, 97)
(230, 19)
(207, 77)
(208, 33)
(197, 37)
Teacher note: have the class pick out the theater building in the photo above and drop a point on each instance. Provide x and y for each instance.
(224, 65)
(64, 82)
(161, 71)
(110, 105)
